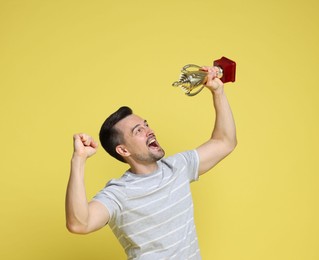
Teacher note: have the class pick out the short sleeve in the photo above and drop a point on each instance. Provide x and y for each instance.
(192, 162)
(109, 198)
(186, 163)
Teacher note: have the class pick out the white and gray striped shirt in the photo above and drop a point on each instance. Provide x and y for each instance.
(152, 215)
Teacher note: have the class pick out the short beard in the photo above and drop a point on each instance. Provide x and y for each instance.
(150, 157)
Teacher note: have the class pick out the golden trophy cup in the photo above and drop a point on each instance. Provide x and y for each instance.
(192, 79)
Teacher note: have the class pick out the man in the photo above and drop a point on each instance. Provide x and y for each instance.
(149, 209)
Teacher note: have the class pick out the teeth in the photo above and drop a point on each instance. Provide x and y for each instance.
(151, 141)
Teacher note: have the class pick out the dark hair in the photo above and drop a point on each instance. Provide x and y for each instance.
(110, 137)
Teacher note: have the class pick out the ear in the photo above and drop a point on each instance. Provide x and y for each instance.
(121, 150)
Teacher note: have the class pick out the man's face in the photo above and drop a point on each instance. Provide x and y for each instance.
(139, 140)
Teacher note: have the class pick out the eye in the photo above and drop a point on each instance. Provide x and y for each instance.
(139, 130)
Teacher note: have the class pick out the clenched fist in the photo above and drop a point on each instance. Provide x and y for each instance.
(84, 145)
(213, 82)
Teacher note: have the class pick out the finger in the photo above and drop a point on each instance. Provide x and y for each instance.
(85, 139)
(88, 141)
(77, 138)
(210, 77)
(204, 68)
(94, 144)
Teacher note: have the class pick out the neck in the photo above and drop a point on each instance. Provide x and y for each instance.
(143, 168)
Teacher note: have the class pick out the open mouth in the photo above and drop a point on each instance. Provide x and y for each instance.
(152, 143)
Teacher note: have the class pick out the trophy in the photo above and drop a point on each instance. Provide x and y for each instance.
(192, 79)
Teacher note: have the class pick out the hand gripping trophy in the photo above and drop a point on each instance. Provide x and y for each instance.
(192, 79)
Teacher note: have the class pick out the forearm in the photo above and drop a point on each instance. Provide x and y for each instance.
(77, 209)
(224, 129)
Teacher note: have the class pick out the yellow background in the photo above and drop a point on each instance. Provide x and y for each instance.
(66, 65)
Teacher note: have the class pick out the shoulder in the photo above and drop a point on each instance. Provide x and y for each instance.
(115, 186)
(182, 157)
(184, 163)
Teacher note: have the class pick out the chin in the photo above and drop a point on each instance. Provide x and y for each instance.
(161, 154)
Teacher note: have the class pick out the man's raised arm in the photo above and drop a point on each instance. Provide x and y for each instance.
(82, 217)
(223, 139)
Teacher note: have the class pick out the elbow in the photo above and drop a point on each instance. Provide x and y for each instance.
(234, 144)
(231, 145)
(72, 228)
(76, 228)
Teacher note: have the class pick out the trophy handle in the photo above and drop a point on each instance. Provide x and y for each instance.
(190, 94)
(191, 79)
(190, 66)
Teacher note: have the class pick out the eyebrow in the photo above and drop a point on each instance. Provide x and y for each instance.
(132, 130)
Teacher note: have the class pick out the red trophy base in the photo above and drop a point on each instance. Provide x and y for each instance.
(229, 69)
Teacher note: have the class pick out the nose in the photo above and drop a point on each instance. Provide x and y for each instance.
(149, 131)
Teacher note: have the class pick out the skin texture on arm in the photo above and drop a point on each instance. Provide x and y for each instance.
(223, 139)
(82, 217)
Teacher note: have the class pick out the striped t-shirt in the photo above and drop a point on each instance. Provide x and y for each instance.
(152, 215)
